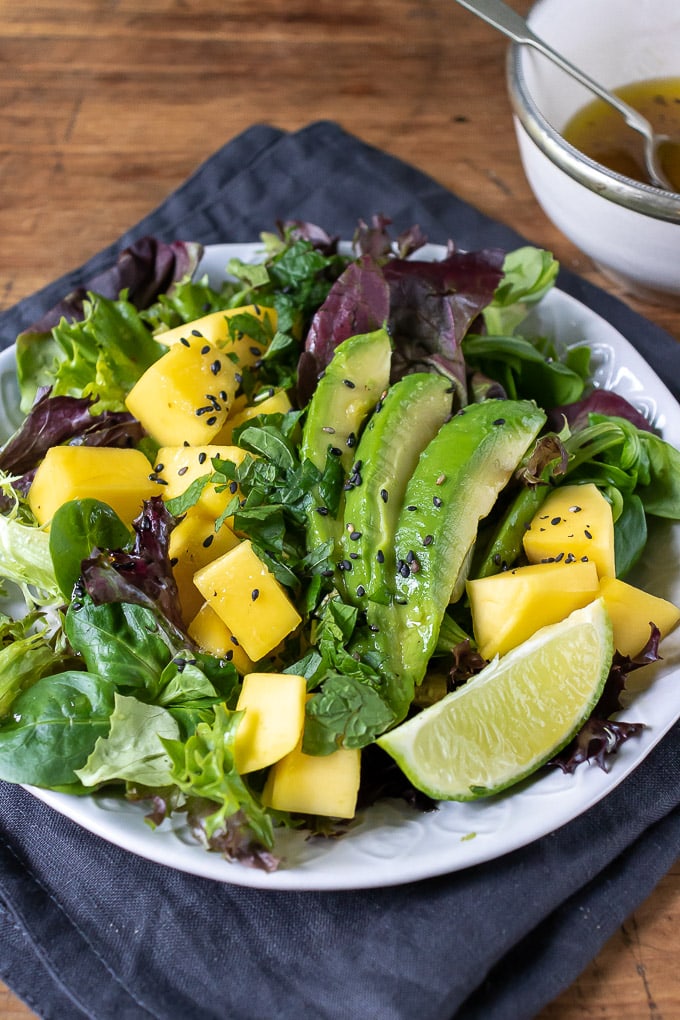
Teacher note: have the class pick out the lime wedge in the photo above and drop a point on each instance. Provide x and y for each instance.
(513, 716)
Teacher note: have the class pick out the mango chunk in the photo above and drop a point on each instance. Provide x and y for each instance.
(179, 466)
(194, 543)
(277, 403)
(120, 477)
(509, 607)
(632, 610)
(185, 396)
(218, 329)
(246, 595)
(212, 635)
(274, 714)
(312, 785)
(574, 523)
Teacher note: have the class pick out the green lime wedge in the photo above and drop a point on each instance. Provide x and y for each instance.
(513, 716)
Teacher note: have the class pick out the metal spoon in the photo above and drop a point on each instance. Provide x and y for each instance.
(502, 17)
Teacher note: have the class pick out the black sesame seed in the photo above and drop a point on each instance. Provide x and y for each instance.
(587, 533)
(372, 627)
(555, 520)
(183, 340)
(412, 507)
(349, 384)
(174, 561)
(255, 351)
(323, 510)
(216, 366)
(361, 591)
(255, 594)
(344, 565)
(499, 421)
(436, 501)
(183, 470)
(229, 654)
(233, 487)
(404, 569)
(206, 348)
(575, 509)
(202, 457)
(380, 556)
(351, 440)
(354, 555)
(428, 540)
(211, 421)
(334, 451)
(159, 467)
(355, 536)
(208, 541)
(383, 495)
(234, 640)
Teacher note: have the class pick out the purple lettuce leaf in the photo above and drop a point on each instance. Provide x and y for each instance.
(300, 230)
(601, 736)
(358, 302)
(598, 402)
(375, 240)
(146, 269)
(432, 307)
(142, 575)
(56, 420)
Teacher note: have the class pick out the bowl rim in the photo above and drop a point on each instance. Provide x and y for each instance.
(624, 191)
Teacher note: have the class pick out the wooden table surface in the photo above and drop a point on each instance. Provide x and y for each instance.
(107, 105)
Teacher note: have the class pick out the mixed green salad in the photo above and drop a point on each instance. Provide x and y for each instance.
(103, 686)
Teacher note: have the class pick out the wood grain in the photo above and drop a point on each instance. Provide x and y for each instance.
(107, 105)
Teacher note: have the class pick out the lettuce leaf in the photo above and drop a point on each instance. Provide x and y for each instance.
(132, 749)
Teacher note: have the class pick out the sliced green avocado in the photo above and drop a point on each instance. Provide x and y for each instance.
(353, 383)
(399, 429)
(456, 483)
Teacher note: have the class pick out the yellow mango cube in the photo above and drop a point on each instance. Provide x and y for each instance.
(120, 477)
(212, 635)
(179, 466)
(185, 396)
(193, 543)
(509, 607)
(246, 595)
(632, 610)
(277, 403)
(215, 328)
(574, 523)
(274, 714)
(313, 785)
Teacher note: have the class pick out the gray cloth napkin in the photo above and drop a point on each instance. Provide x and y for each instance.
(90, 930)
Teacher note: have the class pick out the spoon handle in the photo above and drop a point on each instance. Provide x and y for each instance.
(512, 24)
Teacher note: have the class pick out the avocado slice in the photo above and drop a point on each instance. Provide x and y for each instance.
(455, 484)
(351, 386)
(399, 429)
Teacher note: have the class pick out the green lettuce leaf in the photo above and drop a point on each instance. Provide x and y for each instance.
(132, 749)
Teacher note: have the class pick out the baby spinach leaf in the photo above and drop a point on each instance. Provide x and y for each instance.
(54, 727)
(77, 528)
(121, 641)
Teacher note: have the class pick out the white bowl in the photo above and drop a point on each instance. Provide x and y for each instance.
(630, 230)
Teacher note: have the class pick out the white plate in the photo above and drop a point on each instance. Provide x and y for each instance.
(390, 844)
